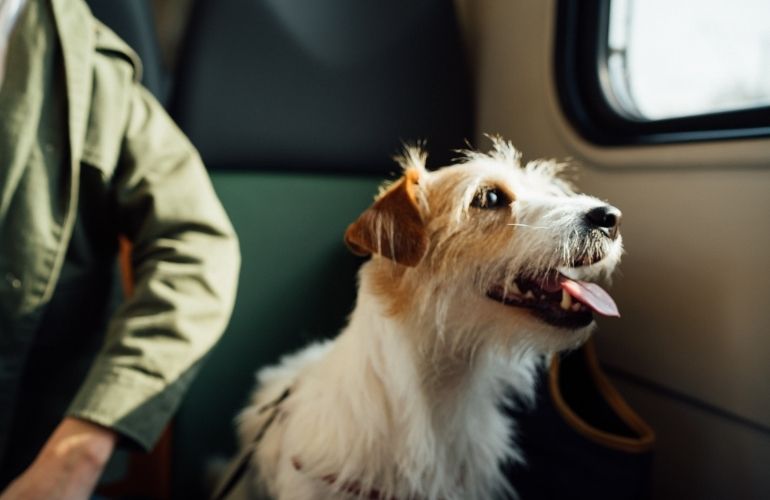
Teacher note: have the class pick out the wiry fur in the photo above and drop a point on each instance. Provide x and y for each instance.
(406, 400)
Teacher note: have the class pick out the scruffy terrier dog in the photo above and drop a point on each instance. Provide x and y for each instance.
(479, 271)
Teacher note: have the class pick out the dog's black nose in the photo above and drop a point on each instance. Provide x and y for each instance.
(605, 217)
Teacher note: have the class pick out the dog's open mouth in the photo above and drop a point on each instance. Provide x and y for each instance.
(557, 299)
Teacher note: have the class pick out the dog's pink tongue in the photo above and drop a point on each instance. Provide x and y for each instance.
(591, 295)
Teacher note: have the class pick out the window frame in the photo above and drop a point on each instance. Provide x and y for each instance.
(582, 76)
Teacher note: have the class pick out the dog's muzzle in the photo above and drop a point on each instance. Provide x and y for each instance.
(554, 297)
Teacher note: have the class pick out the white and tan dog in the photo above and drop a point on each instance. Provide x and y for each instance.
(479, 270)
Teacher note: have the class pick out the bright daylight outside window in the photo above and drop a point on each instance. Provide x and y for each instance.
(675, 58)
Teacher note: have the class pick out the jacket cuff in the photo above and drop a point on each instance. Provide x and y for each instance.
(133, 404)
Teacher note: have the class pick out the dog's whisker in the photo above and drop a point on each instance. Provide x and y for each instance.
(528, 226)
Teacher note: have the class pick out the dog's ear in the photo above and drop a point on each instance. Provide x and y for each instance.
(392, 226)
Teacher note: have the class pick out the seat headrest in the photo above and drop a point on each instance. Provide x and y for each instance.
(328, 84)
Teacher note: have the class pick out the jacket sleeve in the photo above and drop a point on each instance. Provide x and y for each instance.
(185, 262)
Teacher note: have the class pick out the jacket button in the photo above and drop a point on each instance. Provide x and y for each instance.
(13, 281)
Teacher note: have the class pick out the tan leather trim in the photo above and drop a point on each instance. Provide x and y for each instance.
(646, 439)
(126, 270)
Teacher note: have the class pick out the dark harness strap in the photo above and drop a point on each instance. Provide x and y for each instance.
(241, 464)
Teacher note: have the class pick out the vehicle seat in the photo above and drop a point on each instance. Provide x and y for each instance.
(297, 108)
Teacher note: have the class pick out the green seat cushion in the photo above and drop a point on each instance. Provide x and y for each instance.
(297, 284)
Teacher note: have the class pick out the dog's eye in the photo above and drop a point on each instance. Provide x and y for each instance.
(490, 198)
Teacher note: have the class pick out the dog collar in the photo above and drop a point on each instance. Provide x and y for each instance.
(351, 487)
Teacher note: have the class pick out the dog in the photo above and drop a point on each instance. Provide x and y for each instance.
(479, 271)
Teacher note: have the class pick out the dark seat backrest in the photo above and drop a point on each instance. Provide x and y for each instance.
(318, 85)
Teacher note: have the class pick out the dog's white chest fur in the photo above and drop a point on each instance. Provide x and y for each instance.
(361, 412)
(478, 271)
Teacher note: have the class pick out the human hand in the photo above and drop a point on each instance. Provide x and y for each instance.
(68, 466)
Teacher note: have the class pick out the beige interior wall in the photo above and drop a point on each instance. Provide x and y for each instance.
(696, 278)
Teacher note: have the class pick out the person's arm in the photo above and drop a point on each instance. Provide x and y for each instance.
(185, 262)
(185, 266)
(69, 464)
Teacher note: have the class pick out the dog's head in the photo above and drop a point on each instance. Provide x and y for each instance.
(491, 248)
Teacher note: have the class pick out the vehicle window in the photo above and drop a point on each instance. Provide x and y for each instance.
(679, 58)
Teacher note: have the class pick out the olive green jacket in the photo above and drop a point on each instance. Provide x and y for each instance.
(86, 155)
